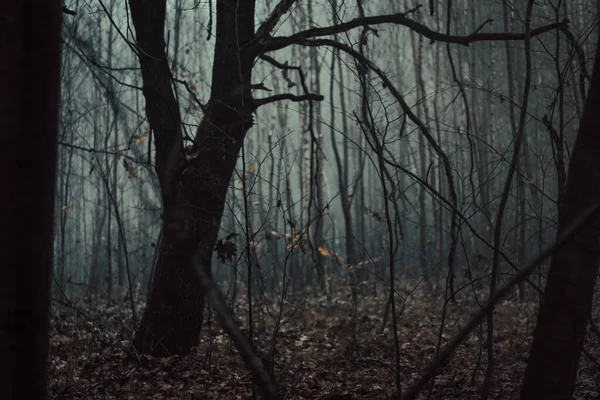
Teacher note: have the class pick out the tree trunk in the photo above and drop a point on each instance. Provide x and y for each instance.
(193, 185)
(29, 96)
(422, 111)
(567, 300)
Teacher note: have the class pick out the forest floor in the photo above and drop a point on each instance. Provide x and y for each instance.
(327, 347)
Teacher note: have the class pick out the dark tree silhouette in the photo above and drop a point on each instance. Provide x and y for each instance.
(194, 185)
(194, 188)
(29, 94)
(567, 301)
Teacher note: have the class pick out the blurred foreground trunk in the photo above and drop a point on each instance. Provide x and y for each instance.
(567, 300)
(29, 95)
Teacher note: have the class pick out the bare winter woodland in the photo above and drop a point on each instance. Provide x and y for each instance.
(300, 199)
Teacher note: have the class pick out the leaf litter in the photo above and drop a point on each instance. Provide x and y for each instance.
(327, 349)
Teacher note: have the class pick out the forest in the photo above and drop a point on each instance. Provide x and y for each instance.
(300, 199)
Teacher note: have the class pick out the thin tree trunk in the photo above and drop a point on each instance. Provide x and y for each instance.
(342, 160)
(422, 113)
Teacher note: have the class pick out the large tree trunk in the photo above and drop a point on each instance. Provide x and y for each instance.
(567, 300)
(193, 187)
(29, 95)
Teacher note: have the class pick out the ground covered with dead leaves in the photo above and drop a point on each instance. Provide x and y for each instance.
(327, 346)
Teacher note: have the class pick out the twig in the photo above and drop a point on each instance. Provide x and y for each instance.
(287, 96)
(65, 10)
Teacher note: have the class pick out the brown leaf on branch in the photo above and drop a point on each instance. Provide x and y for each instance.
(225, 250)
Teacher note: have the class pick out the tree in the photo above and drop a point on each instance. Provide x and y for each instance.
(194, 188)
(194, 182)
(567, 300)
(30, 86)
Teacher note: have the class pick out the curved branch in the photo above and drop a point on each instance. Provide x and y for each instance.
(269, 24)
(68, 11)
(284, 67)
(387, 83)
(583, 74)
(281, 42)
(287, 96)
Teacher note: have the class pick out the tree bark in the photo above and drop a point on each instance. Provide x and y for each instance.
(193, 187)
(29, 95)
(567, 300)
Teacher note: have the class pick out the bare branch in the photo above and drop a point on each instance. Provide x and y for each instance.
(489, 21)
(245, 346)
(284, 67)
(364, 62)
(287, 96)
(584, 74)
(280, 42)
(265, 29)
(260, 86)
(192, 92)
(114, 152)
(65, 10)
